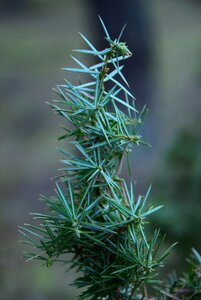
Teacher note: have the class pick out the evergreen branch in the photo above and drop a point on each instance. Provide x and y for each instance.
(94, 215)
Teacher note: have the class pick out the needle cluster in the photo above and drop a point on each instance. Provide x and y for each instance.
(94, 213)
(188, 285)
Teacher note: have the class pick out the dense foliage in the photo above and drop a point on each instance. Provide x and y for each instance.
(94, 213)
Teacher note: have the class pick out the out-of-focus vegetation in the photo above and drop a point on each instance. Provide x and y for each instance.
(36, 38)
(186, 286)
(179, 189)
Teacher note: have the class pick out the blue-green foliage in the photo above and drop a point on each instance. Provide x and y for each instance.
(187, 286)
(94, 214)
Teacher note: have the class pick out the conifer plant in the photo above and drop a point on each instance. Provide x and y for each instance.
(94, 213)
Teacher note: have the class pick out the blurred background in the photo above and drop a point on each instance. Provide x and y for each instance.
(36, 38)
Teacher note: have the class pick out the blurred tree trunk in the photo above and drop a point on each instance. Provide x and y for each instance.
(13, 6)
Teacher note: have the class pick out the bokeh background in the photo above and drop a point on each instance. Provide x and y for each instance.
(36, 38)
